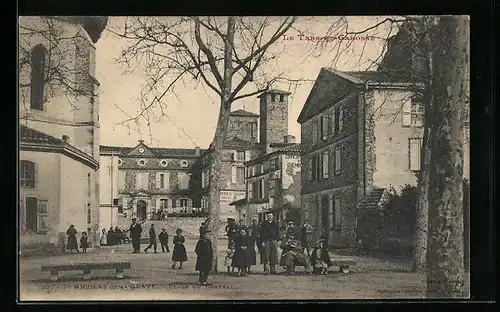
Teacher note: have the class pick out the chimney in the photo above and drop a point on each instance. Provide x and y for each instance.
(141, 141)
(65, 138)
(197, 151)
(289, 139)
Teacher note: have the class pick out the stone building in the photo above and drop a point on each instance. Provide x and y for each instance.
(366, 135)
(273, 183)
(145, 182)
(240, 146)
(59, 132)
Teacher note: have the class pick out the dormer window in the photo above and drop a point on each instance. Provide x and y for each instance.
(273, 97)
(141, 162)
(163, 163)
(282, 98)
(184, 163)
(119, 162)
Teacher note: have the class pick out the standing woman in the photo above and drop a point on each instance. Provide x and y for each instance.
(179, 254)
(104, 238)
(251, 255)
(72, 242)
(241, 251)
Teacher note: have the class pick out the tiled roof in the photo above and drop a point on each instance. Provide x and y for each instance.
(280, 144)
(242, 112)
(275, 91)
(332, 86)
(237, 142)
(238, 202)
(381, 76)
(30, 135)
(160, 152)
(31, 138)
(291, 148)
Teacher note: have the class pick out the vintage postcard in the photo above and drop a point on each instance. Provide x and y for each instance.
(243, 158)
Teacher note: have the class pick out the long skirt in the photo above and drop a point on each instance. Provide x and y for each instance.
(251, 256)
(240, 258)
(179, 254)
(72, 243)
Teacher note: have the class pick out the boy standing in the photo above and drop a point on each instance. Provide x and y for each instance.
(205, 255)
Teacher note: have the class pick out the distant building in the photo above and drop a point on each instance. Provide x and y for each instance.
(364, 133)
(273, 183)
(240, 146)
(59, 132)
(146, 182)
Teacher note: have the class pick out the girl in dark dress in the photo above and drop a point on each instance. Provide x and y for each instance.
(251, 255)
(179, 254)
(241, 252)
(72, 242)
(84, 243)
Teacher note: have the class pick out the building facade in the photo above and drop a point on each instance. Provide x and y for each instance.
(366, 133)
(272, 183)
(240, 146)
(144, 182)
(59, 133)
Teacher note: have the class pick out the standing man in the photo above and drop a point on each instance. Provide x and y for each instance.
(231, 230)
(202, 229)
(269, 235)
(152, 239)
(135, 235)
(255, 232)
(163, 237)
(307, 236)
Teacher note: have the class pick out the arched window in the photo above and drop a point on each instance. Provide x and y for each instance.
(37, 76)
(27, 174)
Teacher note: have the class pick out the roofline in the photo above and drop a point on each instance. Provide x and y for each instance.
(266, 156)
(246, 114)
(274, 91)
(239, 201)
(65, 149)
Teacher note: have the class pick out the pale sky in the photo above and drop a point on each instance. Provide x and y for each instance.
(195, 110)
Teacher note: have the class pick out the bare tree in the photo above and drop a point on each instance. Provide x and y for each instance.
(223, 54)
(445, 255)
(442, 61)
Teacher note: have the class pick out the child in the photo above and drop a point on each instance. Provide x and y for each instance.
(179, 254)
(205, 255)
(320, 258)
(84, 244)
(229, 257)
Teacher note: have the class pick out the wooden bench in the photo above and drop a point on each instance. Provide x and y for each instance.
(86, 268)
(343, 264)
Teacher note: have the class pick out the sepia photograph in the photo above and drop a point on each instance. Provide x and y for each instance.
(161, 157)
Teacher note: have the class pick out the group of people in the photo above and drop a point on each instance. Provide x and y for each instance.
(72, 244)
(179, 254)
(113, 237)
(294, 242)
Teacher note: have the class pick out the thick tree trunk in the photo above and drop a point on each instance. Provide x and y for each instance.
(213, 221)
(445, 253)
